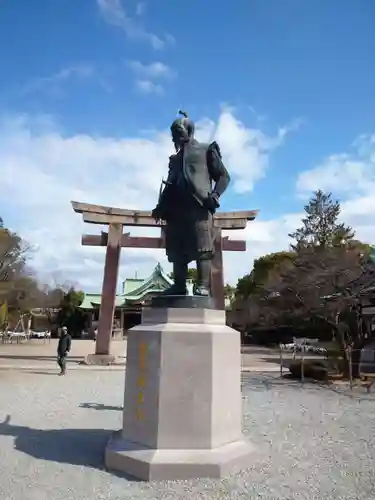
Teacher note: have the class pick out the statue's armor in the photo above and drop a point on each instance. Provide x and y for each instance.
(189, 230)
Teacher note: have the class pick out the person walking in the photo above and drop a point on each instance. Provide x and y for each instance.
(63, 348)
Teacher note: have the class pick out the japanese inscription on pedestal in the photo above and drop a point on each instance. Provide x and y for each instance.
(141, 380)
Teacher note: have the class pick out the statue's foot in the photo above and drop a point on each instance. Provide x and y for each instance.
(174, 290)
(202, 291)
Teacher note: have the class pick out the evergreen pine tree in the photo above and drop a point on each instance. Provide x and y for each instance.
(321, 226)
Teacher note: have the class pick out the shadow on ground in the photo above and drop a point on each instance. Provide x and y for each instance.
(79, 447)
(357, 393)
(253, 349)
(46, 372)
(263, 382)
(26, 357)
(266, 382)
(99, 406)
(37, 358)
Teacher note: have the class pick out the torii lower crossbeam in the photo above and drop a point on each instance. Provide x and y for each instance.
(221, 244)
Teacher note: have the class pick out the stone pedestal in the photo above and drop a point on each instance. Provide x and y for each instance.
(183, 302)
(100, 359)
(182, 408)
(118, 334)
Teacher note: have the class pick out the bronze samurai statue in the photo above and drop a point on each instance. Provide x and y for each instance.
(197, 178)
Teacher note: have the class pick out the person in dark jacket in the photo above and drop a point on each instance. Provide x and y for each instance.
(63, 348)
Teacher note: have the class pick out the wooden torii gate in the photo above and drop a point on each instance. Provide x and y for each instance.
(116, 219)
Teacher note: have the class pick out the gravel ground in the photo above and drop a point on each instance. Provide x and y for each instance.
(312, 442)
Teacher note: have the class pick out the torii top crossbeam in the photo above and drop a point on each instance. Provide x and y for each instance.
(99, 214)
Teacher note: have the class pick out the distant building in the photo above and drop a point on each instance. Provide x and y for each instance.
(136, 293)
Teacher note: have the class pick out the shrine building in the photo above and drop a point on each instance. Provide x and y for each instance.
(136, 293)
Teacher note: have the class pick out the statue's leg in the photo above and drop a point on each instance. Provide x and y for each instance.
(180, 274)
(175, 245)
(204, 274)
(205, 247)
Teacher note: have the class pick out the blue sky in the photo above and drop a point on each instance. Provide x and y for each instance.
(82, 81)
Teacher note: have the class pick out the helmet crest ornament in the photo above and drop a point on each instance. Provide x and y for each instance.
(182, 129)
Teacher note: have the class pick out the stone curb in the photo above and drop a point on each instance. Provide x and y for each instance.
(72, 367)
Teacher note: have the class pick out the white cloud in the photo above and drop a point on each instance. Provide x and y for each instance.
(52, 82)
(247, 149)
(149, 87)
(43, 169)
(153, 70)
(140, 9)
(343, 173)
(114, 13)
(147, 73)
(339, 172)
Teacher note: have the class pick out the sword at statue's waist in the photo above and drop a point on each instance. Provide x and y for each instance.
(161, 190)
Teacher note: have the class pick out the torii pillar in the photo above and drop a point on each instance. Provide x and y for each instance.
(108, 299)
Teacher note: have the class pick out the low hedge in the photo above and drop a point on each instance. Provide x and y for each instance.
(313, 369)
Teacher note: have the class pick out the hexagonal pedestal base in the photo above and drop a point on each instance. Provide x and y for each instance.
(182, 413)
(164, 465)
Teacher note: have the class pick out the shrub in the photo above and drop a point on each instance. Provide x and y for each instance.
(313, 369)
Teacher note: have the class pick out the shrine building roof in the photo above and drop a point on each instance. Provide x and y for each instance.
(134, 290)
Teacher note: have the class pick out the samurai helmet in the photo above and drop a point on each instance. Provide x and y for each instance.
(182, 130)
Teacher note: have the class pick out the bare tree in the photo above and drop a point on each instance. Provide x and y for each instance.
(15, 282)
(49, 302)
(326, 284)
(13, 254)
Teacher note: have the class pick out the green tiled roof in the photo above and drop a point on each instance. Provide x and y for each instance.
(131, 284)
(89, 299)
(134, 289)
(157, 282)
(93, 300)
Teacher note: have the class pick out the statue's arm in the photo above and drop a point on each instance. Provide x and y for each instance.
(217, 170)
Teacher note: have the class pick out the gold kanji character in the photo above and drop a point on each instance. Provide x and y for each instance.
(141, 382)
(142, 348)
(140, 398)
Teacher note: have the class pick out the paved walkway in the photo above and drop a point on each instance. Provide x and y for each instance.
(41, 355)
(310, 442)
